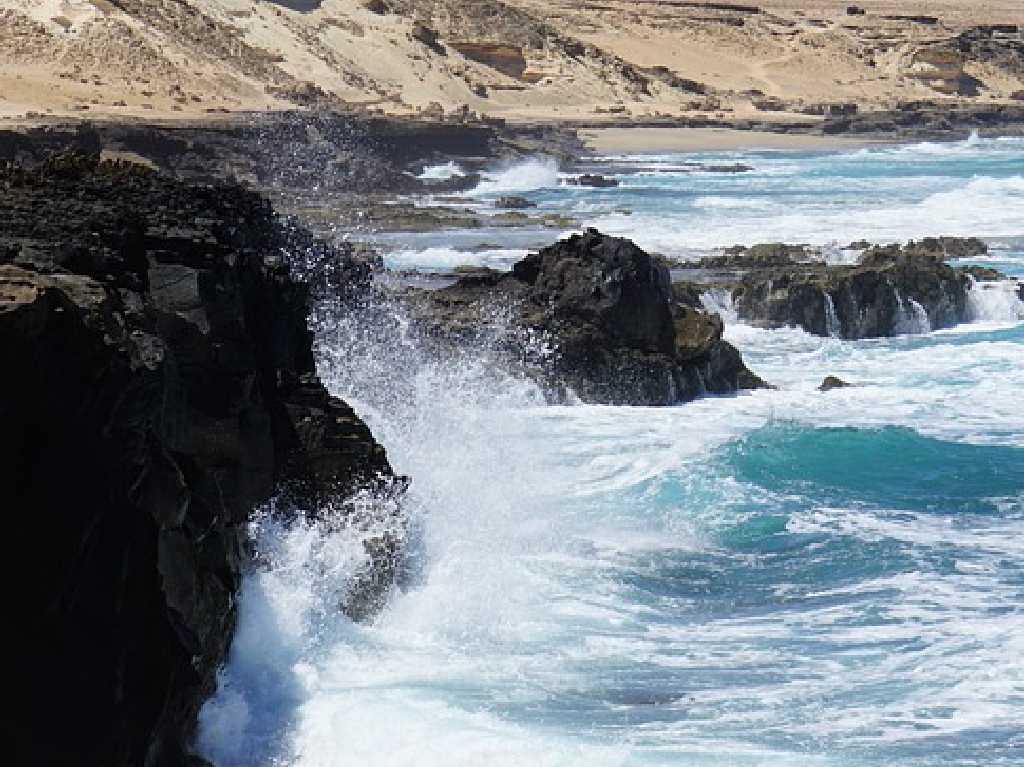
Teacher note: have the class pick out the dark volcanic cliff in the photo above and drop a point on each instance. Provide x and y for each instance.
(620, 334)
(157, 383)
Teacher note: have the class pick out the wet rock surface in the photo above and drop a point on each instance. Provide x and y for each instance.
(514, 202)
(158, 382)
(621, 335)
(893, 289)
(832, 382)
(593, 180)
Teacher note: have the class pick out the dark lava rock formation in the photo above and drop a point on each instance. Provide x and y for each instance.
(892, 290)
(514, 202)
(832, 382)
(608, 307)
(158, 382)
(593, 180)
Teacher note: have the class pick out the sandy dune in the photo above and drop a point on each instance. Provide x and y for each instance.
(593, 61)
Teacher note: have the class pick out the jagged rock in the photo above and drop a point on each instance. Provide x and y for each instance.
(158, 382)
(894, 289)
(429, 37)
(983, 273)
(832, 382)
(756, 256)
(594, 180)
(883, 296)
(942, 248)
(609, 308)
(514, 203)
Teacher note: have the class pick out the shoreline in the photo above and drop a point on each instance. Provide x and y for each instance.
(647, 140)
(367, 165)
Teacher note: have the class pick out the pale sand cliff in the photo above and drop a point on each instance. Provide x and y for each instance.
(521, 60)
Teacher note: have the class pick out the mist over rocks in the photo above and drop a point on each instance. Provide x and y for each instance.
(608, 308)
(158, 383)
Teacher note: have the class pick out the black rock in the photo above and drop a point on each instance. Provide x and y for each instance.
(594, 180)
(514, 203)
(832, 382)
(732, 168)
(609, 307)
(894, 289)
(158, 382)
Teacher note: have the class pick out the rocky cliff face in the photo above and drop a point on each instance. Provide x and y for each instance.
(608, 308)
(158, 382)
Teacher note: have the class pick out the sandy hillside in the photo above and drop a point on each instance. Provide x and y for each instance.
(517, 59)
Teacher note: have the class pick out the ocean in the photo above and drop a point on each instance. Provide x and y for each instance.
(782, 577)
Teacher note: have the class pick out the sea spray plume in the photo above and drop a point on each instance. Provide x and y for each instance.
(380, 353)
(305, 566)
(522, 176)
(995, 301)
(443, 411)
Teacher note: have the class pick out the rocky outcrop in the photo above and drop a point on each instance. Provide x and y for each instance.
(892, 290)
(514, 202)
(999, 46)
(941, 67)
(925, 120)
(593, 180)
(286, 153)
(507, 59)
(885, 295)
(158, 382)
(832, 382)
(621, 335)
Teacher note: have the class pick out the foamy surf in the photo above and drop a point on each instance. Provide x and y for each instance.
(786, 577)
(526, 176)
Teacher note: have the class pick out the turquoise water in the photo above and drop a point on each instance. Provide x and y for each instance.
(784, 577)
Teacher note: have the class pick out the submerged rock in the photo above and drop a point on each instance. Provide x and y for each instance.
(158, 383)
(609, 308)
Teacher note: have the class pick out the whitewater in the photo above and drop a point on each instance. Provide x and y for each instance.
(783, 577)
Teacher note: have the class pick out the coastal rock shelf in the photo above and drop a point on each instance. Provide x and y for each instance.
(620, 335)
(891, 290)
(158, 383)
